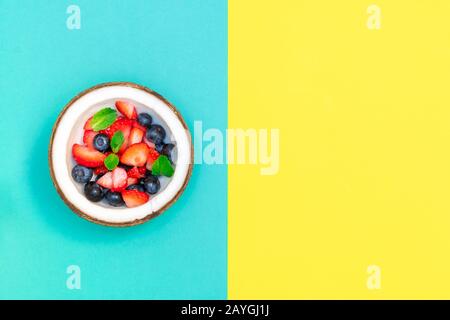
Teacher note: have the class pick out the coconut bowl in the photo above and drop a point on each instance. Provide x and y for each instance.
(68, 130)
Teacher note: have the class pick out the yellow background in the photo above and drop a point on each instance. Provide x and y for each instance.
(365, 149)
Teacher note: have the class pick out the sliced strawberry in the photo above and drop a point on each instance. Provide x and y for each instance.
(87, 157)
(142, 171)
(100, 170)
(134, 198)
(133, 173)
(136, 136)
(87, 125)
(106, 180)
(131, 181)
(136, 172)
(135, 155)
(119, 179)
(127, 109)
(88, 138)
(149, 143)
(123, 147)
(152, 156)
(137, 125)
(122, 124)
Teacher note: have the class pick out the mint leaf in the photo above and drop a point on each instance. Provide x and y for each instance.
(103, 119)
(117, 141)
(111, 161)
(162, 167)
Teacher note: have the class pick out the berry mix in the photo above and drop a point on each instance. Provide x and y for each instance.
(123, 156)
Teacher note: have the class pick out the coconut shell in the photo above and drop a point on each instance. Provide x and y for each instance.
(151, 215)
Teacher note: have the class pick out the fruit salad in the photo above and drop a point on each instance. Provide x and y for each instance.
(122, 157)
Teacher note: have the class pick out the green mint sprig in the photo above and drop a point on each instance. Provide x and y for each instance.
(111, 161)
(162, 167)
(103, 119)
(117, 140)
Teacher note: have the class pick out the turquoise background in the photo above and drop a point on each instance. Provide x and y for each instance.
(176, 47)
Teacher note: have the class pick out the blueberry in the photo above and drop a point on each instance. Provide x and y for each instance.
(101, 142)
(145, 120)
(98, 178)
(82, 174)
(159, 147)
(151, 184)
(148, 173)
(114, 198)
(156, 133)
(93, 191)
(167, 150)
(138, 187)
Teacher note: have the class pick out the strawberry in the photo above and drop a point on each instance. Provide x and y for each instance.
(131, 181)
(152, 156)
(136, 172)
(87, 157)
(88, 138)
(123, 147)
(122, 124)
(134, 198)
(136, 136)
(138, 125)
(135, 155)
(87, 125)
(142, 171)
(106, 180)
(119, 179)
(100, 170)
(127, 109)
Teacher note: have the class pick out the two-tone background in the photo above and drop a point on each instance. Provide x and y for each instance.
(359, 90)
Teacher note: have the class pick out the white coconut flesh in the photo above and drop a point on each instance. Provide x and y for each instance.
(70, 131)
